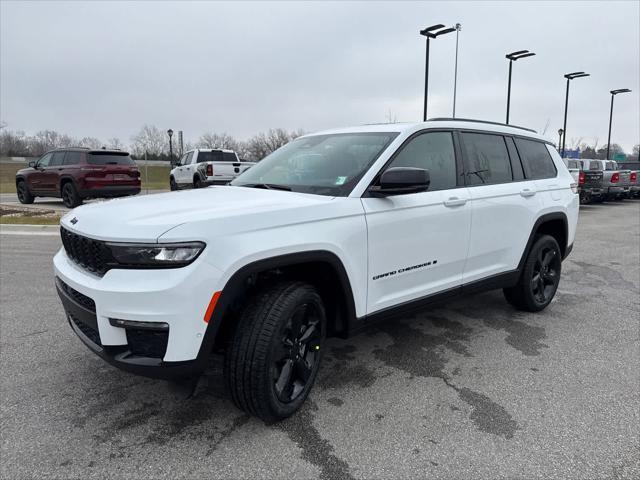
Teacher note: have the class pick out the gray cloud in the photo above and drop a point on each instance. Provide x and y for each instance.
(104, 69)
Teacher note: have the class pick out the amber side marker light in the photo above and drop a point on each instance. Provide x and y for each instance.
(212, 306)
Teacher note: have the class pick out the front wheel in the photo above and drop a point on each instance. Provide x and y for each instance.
(540, 276)
(172, 184)
(275, 351)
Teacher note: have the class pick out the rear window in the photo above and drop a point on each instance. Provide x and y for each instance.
(595, 166)
(97, 158)
(487, 159)
(215, 156)
(574, 164)
(536, 159)
(229, 157)
(611, 166)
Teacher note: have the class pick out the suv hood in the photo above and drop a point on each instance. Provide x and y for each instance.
(146, 217)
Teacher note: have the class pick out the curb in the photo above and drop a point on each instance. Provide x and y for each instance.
(41, 230)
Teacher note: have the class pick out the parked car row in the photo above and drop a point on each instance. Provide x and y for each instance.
(601, 180)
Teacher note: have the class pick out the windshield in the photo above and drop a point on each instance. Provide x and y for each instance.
(320, 164)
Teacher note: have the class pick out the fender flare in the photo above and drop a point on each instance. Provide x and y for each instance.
(63, 179)
(540, 220)
(235, 283)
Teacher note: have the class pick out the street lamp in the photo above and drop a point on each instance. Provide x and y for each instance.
(560, 132)
(170, 133)
(512, 57)
(569, 77)
(455, 75)
(613, 94)
(431, 32)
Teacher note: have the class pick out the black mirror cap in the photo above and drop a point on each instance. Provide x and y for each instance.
(399, 180)
(32, 164)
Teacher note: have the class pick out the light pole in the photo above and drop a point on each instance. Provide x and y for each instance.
(613, 94)
(569, 77)
(455, 75)
(560, 132)
(170, 133)
(431, 32)
(512, 57)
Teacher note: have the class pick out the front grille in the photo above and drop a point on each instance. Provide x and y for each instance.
(93, 255)
(88, 331)
(147, 343)
(80, 298)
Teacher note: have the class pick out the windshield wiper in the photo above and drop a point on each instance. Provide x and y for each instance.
(267, 186)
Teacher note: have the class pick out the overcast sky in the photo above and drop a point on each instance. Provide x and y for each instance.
(105, 69)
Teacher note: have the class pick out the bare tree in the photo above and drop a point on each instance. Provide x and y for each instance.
(115, 143)
(90, 142)
(217, 140)
(262, 144)
(149, 140)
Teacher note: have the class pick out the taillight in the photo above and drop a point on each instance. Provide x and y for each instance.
(209, 170)
(633, 177)
(581, 178)
(615, 177)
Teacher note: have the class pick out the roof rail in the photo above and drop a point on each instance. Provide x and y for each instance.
(447, 119)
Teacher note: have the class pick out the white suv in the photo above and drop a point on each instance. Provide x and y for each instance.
(329, 233)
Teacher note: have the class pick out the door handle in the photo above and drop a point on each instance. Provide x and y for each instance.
(525, 192)
(454, 202)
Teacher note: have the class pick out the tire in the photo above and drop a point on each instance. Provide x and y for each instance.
(544, 261)
(197, 183)
(173, 186)
(70, 196)
(275, 351)
(24, 195)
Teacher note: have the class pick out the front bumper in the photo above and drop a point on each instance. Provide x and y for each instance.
(177, 298)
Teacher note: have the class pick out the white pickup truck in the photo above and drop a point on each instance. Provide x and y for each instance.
(205, 166)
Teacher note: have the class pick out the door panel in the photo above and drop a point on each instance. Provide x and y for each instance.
(503, 204)
(52, 172)
(37, 180)
(417, 245)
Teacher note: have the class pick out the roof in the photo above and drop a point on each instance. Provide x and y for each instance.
(463, 124)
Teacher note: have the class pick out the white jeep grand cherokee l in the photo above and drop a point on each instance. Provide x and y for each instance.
(330, 232)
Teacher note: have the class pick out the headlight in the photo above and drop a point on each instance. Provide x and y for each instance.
(155, 255)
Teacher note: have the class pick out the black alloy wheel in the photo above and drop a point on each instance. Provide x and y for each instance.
(546, 274)
(298, 353)
(24, 196)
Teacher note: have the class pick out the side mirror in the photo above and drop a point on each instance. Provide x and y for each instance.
(399, 180)
(32, 164)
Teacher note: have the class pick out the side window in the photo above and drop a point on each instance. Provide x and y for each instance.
(57, 159)
(72, 158)
(44, 161)
(189, 158)
(487, 160)
(433, 152)
(229, 157)
(516, 163)
(536, 159)
(183, 160)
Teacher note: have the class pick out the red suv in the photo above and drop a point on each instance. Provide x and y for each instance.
(78, 173)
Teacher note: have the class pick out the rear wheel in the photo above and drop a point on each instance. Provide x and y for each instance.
(540, 276)
(70, 196)
(197, 183)
(24, 195)
(275, 351)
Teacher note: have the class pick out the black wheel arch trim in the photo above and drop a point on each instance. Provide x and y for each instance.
(63, 180)
(236, 283)
(536, 226)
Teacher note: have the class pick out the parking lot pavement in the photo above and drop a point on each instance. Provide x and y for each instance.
(472, 389)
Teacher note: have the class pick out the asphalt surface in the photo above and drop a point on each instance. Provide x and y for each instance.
(473, 389)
